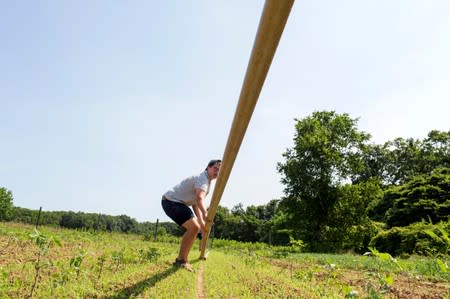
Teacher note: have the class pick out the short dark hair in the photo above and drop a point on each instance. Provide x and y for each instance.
(212, 163)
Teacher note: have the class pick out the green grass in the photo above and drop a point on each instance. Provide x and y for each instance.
(111, 265)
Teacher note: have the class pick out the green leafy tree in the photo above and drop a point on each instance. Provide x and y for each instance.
(435, 151)
(71, 220)
(24, 215)
(127, 224)
(327, 152)
(251, 224)
(377, 165)
(279, 235)
(348, 225)
(237, 225)
(230, 224)
(404, 159)
(220, 222)
(6, 204)
(398, 160)
(425, 197)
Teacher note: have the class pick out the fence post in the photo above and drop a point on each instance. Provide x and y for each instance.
(38, 217)
(156, 229)
(98, 222)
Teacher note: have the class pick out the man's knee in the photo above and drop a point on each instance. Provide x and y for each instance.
(192, 225)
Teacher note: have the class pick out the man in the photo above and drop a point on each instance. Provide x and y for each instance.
(176, 202)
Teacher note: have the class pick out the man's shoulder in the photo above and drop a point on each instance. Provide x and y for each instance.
(204, 175)
(197, 175)
(195, 178)
(202, 178)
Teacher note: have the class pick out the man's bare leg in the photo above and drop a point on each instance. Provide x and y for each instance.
(192, 227)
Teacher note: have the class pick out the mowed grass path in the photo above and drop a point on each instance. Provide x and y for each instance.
(104, 265)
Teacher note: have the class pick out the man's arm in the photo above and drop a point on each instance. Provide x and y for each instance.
(200, 208)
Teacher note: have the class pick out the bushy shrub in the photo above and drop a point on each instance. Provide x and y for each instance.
(359, 236)
(150, 254)
(425, 196)
(419, 238)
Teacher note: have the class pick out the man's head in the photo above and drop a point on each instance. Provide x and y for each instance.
(213, 168)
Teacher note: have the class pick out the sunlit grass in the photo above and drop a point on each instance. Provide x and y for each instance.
(113, 265)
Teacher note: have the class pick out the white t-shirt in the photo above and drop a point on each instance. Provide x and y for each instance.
(184, 192)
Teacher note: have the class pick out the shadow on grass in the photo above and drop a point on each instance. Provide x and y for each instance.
(140, 286)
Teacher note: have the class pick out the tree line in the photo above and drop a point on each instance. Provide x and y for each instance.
(80, 220)
(341, 192)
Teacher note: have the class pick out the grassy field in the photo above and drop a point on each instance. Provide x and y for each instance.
(59, 263)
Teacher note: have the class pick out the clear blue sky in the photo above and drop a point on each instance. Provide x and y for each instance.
(106, 104)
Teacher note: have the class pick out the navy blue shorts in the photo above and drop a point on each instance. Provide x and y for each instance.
(178, 212)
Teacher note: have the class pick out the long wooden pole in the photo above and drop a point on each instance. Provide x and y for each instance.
(271, 25)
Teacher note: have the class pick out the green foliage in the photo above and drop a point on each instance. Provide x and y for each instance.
(251, 270)
(253, 224)
(6, 204)
(93, 222)
(383, 256)
(385, 280)
(419, 238)
(348, 226)
(422, 197)
(336, 186)
(118, 257)
(334, 180)
(297, 245)
(82, 220)
(150, 254)
(76, 261)
(43, 243)
(328, 152)
(443, 267)
(100, 265)
(409, 157)
(397, 161)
